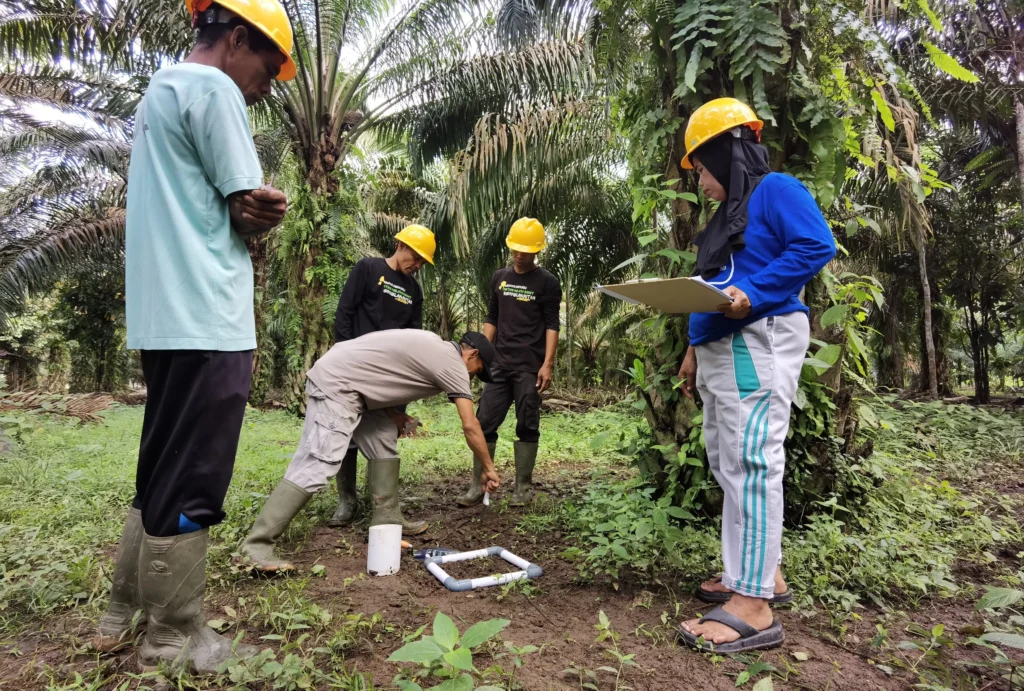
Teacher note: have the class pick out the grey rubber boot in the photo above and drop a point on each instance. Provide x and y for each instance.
(526, 458)
(115, 628)
(383, 481)
(282, 505)
(172, 583)
(347, 501)
(475, 494)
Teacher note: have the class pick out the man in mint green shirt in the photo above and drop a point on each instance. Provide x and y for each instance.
(195, 192)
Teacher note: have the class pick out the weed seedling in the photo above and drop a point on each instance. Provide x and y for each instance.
(605, 633)
(445, 655)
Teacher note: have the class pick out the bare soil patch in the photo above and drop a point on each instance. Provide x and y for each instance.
(560, 615)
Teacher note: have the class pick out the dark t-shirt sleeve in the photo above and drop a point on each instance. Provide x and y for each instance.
(351, 295)
(492, 303)
(552, 304)
(417, 309)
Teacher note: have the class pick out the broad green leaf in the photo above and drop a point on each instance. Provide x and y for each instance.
(677, 512)
(948, 64)
(422, 651)
(619, 550)
(483, 631)
(884, 110)
(460, 659)
(1011, 640)
(829, 353)
(463, 682)
(997, 598)
(407, 685)
(445, 632)
(819, 366)
(834, 315)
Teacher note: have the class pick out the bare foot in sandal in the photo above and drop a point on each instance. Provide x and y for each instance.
(714, 585)
(752, 610)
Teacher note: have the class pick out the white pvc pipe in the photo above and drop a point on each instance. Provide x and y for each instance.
(514, 560)
(488, 581)
(438, 572)
(465, 556)
(384, 551)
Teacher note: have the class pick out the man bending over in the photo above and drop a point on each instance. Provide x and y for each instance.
(353, 393)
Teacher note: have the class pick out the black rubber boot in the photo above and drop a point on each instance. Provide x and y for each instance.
(526, 458)
(282, 505)
(347, 501)
(475, 494)
(115, 628)
(383, 476)
(172, 584)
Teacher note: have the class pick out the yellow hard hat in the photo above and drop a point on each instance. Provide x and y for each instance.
(419, 239)
(266, 15)
(526, 235)
(715, 117)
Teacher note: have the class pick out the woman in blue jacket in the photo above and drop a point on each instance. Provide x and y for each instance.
(765, 242)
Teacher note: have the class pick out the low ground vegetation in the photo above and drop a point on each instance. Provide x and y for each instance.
(921, 586)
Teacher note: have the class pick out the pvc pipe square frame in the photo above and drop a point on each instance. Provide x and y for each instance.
(527, 570)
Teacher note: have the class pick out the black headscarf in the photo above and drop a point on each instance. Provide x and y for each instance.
(738, 163)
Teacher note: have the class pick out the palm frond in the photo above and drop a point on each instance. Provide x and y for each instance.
(31, 264)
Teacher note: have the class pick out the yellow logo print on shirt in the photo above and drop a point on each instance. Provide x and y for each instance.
(517, 292)
(397, 292)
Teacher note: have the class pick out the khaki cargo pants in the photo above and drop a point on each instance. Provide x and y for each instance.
(331, 424)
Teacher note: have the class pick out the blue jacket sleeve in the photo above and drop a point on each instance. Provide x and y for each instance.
(807, 244)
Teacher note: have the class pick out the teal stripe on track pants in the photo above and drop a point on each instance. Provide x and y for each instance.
(747, 382)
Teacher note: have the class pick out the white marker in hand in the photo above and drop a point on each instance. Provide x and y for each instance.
(487, 498)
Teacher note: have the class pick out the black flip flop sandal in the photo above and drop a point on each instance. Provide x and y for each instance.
(750, 638)
(716, 598)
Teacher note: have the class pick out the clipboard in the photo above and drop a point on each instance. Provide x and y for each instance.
(670, 295)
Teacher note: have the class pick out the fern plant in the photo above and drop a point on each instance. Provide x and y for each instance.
(746, 39)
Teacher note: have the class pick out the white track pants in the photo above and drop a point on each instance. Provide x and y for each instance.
(747, 382)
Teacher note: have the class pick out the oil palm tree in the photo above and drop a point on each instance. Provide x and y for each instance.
(421, 71)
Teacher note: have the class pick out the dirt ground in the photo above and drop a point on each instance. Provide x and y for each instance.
(560, 617)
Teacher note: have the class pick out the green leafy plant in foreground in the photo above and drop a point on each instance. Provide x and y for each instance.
(446, 655)
(1000, 602)
(589, 678)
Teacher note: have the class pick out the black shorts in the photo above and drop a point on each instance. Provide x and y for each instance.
(194, 408)
(508, 387)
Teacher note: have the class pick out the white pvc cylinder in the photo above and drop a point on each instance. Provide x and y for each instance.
(384, 551)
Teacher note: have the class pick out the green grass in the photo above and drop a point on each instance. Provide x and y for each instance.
(65, 488)
(936, 501)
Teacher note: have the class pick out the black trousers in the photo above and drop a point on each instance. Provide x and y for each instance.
(508, 387)
(194, 408)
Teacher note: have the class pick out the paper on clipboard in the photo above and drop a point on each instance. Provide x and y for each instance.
(670, 295)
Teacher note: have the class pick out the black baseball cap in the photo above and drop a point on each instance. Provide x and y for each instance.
(479, 342)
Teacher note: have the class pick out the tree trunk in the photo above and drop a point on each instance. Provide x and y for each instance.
(1019, 107)
(263, 357)
(926, 294)
(892, 369)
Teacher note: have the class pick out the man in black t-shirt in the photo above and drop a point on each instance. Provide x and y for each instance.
(380, 294)
(522, 322)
